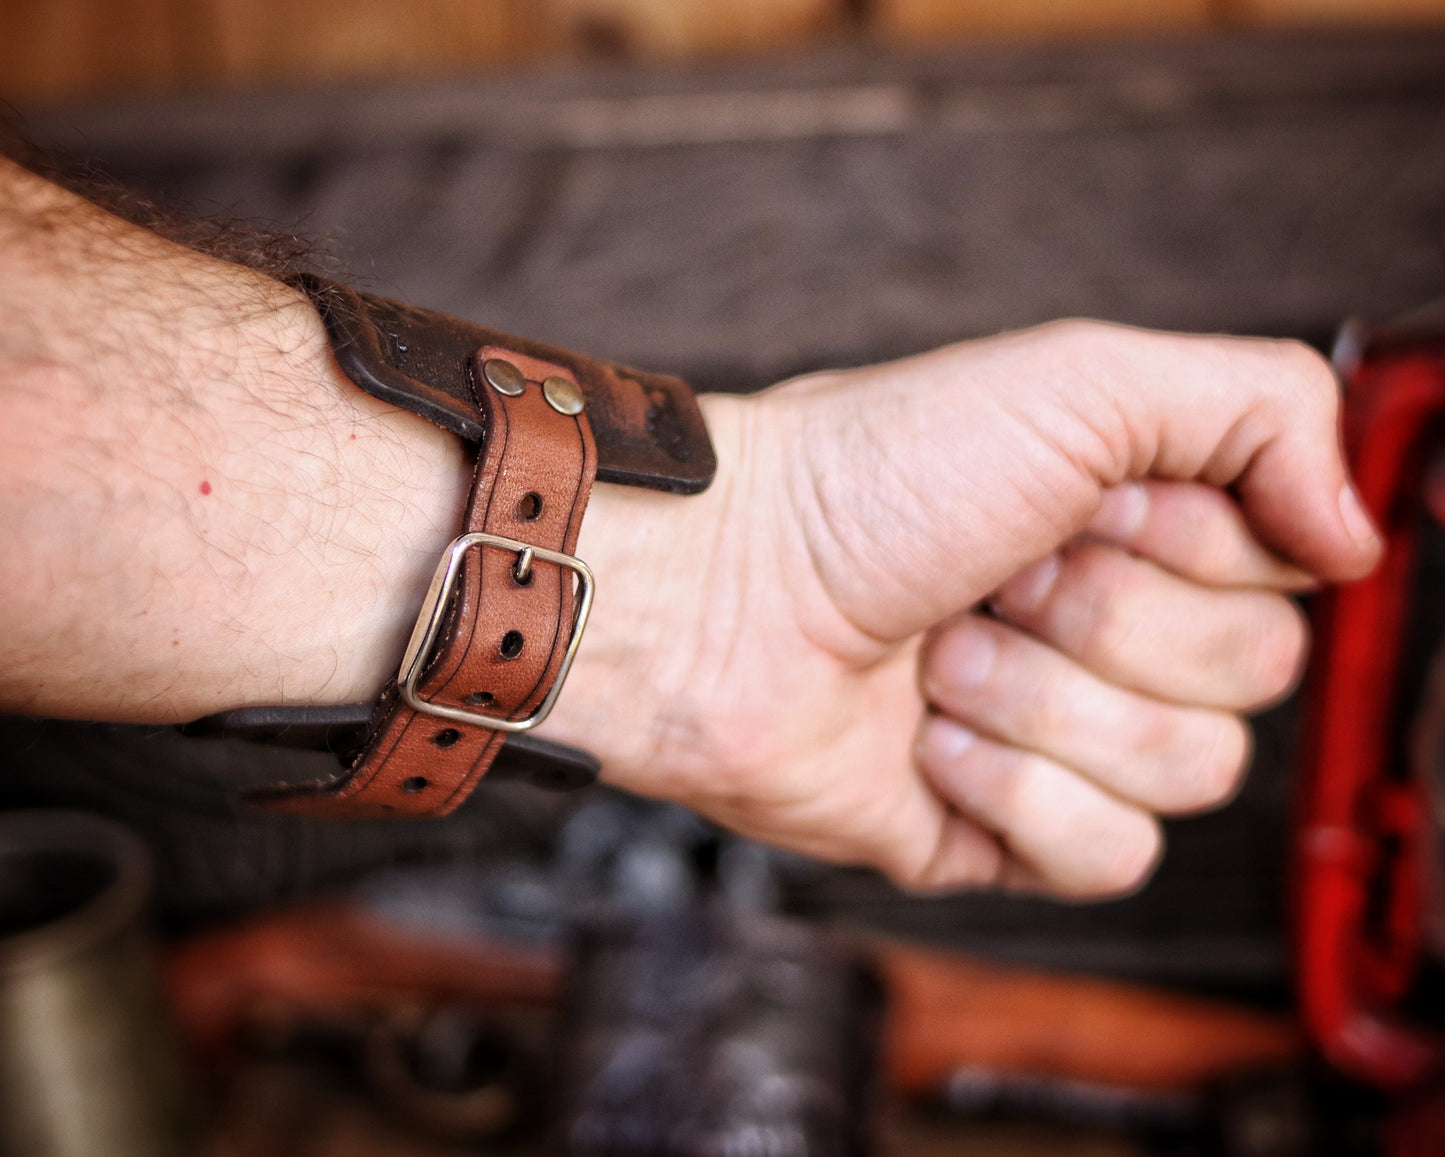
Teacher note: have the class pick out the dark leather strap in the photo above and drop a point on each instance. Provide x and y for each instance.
(648, 427)
(342, 729)
(504, 639)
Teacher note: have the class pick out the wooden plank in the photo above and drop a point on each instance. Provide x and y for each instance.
(68, 48)
(1326, 12)
(62, 48)
(691, 28)
(243, 40)
(925, 21)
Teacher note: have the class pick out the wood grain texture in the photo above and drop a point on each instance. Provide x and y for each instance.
(64, 49)
(69, 48)
(687, 28)
(925, 21)
(238, 40)
(60, 48)
(1301, 13)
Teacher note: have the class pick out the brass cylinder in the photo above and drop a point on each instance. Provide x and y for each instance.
(88, 1063)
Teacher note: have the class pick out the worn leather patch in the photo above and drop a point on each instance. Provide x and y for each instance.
(649, 429)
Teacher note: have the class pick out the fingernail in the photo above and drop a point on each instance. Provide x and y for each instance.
(1121, 513)
(1357, 522)
(1028, 589)
(944, 741)
(966, 658)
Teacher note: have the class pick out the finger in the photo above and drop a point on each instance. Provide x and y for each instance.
(1079, 839)
(1195, 531)
(1139, 626)
(1022, 692)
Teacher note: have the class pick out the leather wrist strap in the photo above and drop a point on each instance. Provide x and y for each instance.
(508, 619)
(509, 602)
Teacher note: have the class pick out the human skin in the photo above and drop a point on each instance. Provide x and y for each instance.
(975, 617)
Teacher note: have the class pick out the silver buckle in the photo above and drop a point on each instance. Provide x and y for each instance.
(433, 611)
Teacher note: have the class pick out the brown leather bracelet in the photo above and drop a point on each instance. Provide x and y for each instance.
(509, 601)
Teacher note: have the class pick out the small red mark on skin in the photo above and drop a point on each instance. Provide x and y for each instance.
(353, 437)
(205, 487)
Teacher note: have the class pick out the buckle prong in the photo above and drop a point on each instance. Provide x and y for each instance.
(522, 571)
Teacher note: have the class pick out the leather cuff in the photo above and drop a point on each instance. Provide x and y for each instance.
(507, 607)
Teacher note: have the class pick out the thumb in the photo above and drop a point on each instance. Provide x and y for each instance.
(1257, 417)
(1310, 512)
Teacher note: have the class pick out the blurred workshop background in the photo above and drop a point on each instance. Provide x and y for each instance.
(737, 191)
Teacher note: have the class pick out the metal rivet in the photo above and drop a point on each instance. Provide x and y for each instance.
(563, 395)
(504, 377)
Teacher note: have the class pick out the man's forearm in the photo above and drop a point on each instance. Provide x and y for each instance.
(210, 515)
(203, 511)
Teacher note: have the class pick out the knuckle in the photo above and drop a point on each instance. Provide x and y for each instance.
(1306, 375)
(960, 667)
(1281, 650)
(1011, 794)
(963, 857)
(1259, 653)
(1044, 712)
(1214, 768)
(1131, 862)
(1103, 584)
(1216, 546)
(1034, 717)
(1074, 331)
(911, 874)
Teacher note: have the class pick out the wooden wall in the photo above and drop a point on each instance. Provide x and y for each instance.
(58, 49)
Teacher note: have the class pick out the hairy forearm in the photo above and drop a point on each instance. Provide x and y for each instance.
(208, 514)
(203, 512)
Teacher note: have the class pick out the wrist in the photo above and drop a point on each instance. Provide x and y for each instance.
(499, 634)
(664, 574)
(656, 559)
